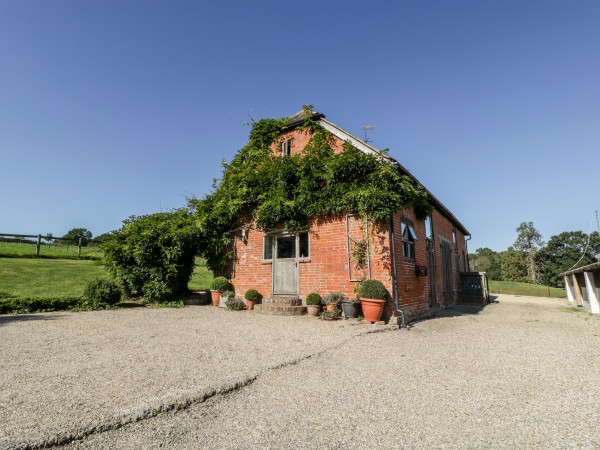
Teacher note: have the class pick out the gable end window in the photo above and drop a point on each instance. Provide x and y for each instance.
(408, 241)
(286, 148)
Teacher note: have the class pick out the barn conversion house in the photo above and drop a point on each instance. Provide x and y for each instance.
(419, 261)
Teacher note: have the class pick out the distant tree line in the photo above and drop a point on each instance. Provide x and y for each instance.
(532, 260)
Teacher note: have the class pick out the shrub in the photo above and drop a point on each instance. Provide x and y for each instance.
(252, 295)
(334, 297)
(235, 305)
(102, 291)
(219, 284)
(153, 255)
(373, 289)
(172, 304)
(313, 299)
(26, 305)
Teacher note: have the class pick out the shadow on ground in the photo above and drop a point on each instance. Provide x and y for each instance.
(455, 311)
(4, 320)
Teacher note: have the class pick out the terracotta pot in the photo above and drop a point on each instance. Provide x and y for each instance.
(330, 306)
(250, 304)
(216, 297)
(372, 309)
(313, 310)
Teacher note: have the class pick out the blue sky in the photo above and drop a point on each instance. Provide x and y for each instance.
(115, 108)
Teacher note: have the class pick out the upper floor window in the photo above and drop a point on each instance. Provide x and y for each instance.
(429, 227)
(286, 148)
(408, 241)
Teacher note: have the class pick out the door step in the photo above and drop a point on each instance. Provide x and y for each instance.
(281, 305)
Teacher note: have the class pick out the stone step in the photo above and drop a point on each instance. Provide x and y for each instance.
(282, 300)
(280, 310)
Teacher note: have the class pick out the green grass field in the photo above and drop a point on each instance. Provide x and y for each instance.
(25, 250)
(36, 277)
(515, 288)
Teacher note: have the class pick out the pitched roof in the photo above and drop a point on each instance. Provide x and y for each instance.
(587, 268)
(298, 118)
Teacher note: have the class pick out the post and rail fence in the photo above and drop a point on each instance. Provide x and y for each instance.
(39, 238)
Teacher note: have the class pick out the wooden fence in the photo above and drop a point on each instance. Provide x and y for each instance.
(39, 238)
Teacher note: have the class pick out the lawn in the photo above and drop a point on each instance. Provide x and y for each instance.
(516, 288)
(24, 250)
(36, 277)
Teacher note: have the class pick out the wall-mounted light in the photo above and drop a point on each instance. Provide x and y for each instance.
(245, 235)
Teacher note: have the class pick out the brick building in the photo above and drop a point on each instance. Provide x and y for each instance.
(418, 262)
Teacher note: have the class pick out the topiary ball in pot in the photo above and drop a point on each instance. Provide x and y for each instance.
(252, 297)
(313, 304)
(373, 295)
(373, 289)
(219, 284)
(313, 299)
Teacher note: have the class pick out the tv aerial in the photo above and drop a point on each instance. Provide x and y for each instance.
(365, 129)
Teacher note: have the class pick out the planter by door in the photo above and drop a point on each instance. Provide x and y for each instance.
(313, 310)
(215, 297)
(372, 309)
(350, 309)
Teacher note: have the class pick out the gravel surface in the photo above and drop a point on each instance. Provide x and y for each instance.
(67, 374)
(523, 372)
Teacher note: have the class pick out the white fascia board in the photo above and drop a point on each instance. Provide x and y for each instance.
(358, 143)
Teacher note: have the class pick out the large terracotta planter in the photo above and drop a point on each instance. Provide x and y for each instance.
(215, 297)
(372, 309)
(250, 305)
(313, 310)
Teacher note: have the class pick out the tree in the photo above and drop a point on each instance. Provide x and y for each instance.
(487, 260)
(529, 240)
(513, 265)
(76, 233)
(564, 251)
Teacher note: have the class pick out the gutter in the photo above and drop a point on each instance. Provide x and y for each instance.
(395, 273)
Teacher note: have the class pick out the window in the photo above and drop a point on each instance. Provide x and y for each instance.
(286, 148)
(268, 247)
(303, 245)
(429, 227)
(454, 240)
(288, 246)
(408, 241)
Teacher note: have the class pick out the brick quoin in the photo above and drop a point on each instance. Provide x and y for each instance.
(327, 268)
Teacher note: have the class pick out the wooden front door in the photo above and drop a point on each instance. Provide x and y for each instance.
(285, 265)
(446, 256)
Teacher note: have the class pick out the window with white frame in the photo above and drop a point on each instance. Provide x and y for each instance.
(286, 148)
(300, 245)
(408, 241)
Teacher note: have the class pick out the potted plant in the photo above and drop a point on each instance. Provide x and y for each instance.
(333, 299)
(252, 297)
(217, 287)
(331, 314)
(373, 295)
(351, 307)
(313, 304)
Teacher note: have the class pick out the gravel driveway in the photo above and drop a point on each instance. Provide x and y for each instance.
(522, 372)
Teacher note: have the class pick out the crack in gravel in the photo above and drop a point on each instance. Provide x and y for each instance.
(179, 404)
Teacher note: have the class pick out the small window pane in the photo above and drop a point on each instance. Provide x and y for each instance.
(268, 247)
(403, 229)
(286, 247)
(413, 235)
(304, 247)
(428, 228)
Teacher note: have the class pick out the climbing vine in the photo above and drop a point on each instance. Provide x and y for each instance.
(285, 192)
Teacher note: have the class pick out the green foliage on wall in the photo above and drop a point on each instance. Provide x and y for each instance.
(285, 192)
